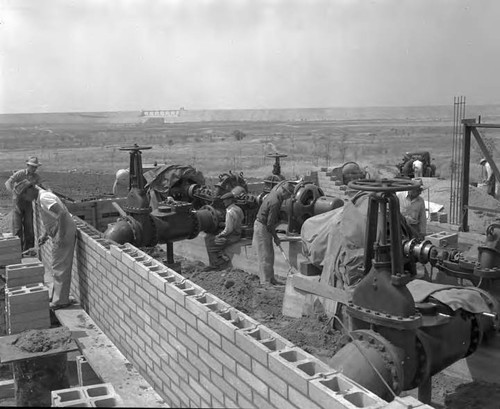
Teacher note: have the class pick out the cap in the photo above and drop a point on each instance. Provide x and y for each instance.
(238, 192)
(21, 186)
(482, 161)
(227, 196)
(420, 184)
(33, 161)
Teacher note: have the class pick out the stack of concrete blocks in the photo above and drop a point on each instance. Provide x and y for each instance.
(444, 239)
(27, 298)
(94, 396)
(10, 253)
(330, 181)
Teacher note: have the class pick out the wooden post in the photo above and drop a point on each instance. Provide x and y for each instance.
(464, 225)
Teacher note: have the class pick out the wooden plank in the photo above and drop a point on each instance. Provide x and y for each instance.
(107, 361)
(307, 285)
(293, 300)
(10, 353)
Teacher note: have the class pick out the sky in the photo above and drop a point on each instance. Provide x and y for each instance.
(114, 55)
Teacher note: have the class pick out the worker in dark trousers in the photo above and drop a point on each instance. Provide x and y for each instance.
(22, 211)
(264, 232)
(61, 229)
(231, 234)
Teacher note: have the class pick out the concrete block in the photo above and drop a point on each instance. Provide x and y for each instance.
(267, 341)
(227, 361)
(7, 389)
(20, 327)
(101, 395)
(241, 386)
(442, 217)
(309, 269)
(197, 337)
(298, 367)
(176, 291)
(338, 391)
(236, 353)
(28, 294)
(443, 239)
(40, 314)
(209, 333)
(274, 381)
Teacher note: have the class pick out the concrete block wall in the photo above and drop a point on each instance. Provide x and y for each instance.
(194, 349)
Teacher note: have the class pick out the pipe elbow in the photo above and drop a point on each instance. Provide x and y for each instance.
(120, 232)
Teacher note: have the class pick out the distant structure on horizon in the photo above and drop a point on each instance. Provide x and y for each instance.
(162, 113)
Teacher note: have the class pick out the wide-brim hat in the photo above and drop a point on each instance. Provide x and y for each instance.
(33, 161)
(21, 186)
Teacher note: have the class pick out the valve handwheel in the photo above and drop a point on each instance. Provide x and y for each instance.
(134, 147)
(383, 185)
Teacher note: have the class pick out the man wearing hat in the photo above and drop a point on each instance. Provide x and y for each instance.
(22, 212)
(61, 228)
(412, 207)
(231, 233)
(264, 230)
(490, 177)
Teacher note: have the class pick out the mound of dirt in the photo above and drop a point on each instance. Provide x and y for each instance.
(243, 291)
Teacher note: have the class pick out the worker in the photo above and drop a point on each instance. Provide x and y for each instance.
(490, 177)
(265, 230)
(231, 234)
(61, 228)
(121, 185)
(418, 166)
(412, 207)
(22, 211)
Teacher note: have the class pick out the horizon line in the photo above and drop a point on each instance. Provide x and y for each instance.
(241, 109)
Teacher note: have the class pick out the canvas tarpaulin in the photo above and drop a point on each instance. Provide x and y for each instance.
(335, 241)
(163, 178)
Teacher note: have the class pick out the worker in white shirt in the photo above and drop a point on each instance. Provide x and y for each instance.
(490, 177)
(418, 166)
(61, 228)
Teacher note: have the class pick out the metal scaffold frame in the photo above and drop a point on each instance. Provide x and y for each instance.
(470, 127)
(456, 161)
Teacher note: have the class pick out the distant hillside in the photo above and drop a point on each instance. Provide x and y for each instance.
(489, 113)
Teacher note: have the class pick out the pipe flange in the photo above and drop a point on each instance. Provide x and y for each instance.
(388, 352)
(196, 225)
(383, 319)
(137, 210)
(476, 335)
(154, 238)
(491, 273)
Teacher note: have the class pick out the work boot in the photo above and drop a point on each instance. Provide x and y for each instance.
(276, 282)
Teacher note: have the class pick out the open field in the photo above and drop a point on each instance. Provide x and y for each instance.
(212, 147)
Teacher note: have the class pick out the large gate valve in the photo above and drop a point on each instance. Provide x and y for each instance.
(383, 289)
